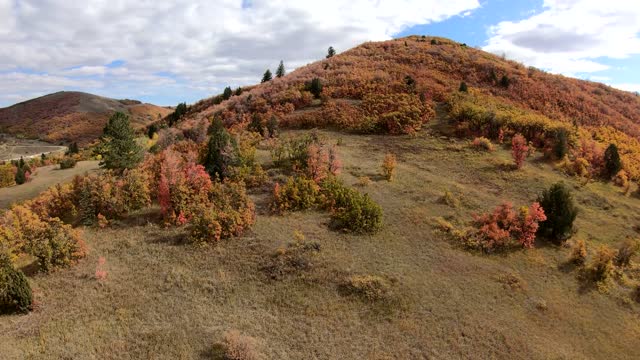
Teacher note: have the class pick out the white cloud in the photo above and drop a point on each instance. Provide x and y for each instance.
(205, 44)
(569, 36)
(627, 87)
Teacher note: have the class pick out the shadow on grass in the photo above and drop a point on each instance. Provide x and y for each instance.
(215, 352)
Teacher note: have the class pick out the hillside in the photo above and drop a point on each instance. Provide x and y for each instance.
(65, 117)
(503, 94)
(366, 206)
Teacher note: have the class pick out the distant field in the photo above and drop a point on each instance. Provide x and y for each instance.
(44, 178)
(13, 148)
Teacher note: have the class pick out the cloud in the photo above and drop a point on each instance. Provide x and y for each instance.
(627, 87)
(205, 45)
(569, 36)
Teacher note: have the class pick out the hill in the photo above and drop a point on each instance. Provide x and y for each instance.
(69, 116)
(368, 79)
(394, 232)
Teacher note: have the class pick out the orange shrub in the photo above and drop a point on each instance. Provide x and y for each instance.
(389, 167)
(519, 150)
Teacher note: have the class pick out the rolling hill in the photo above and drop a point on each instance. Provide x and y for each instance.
(69, 116)
(363, 81)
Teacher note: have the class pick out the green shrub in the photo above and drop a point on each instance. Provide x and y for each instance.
(350, 209)
(59, 245)
(67, 163)
(560, 211)
(296, 194)
(15, 292)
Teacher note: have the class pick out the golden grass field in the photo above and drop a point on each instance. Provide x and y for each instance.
(166, 299)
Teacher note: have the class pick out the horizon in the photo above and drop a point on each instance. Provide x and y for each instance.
(145, 55)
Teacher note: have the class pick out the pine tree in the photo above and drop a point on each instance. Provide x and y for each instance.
(560, 211)
(119, 148)
(238, 91)
(505, 82)
(280, 72)
(463, 87)
(180, 110)
(331, 52)
(227, 93)
(272, 126)
(220, 152)
(267, 76)
(15, 292)
(561, 145)
(256, 124)
(612, 163)
(315, 87)
(153, 129)
(73, 148)
(21, 163)
(20, 176)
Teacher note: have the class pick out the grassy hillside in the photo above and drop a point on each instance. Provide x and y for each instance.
(175, 259)
(65, 117)
(164, 298)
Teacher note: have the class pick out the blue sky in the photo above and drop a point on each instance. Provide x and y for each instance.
(185, 50)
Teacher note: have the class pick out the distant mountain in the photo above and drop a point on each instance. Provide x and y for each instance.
(70, 116)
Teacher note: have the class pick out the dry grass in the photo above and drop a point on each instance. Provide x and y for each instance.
(164, 299)
(44, 178)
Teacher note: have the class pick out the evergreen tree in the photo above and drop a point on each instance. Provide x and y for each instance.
(238, 91)
(20, 176)
(15, 292)
(267, 76)
(272, 126)
(561, 145)
(410, 82)
(119, 148)
(612, 163)
(280, 72)
(177, 114)
(463, 87)
(315, 87)
(331, 52)
(256, 124)
(43, 157)
(73, 148)
(220, 152)
(21, 162)
(558, 205)
(505, 82)
(153, 129)
(226, 95)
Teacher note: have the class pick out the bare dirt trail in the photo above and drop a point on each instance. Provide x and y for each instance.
(45, 177)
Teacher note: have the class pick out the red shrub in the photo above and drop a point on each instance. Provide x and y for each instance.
(504, 226)
(519, 149)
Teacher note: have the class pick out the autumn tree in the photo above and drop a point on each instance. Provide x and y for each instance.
(267, 76)
(280, 71)
(612, 163)
(519, 149)
(119, 149)
(331, 52)
(560, 211)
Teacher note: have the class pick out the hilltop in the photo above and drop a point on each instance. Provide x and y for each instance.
(70, 116)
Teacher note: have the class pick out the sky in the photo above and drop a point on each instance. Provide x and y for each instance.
(172, 51)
